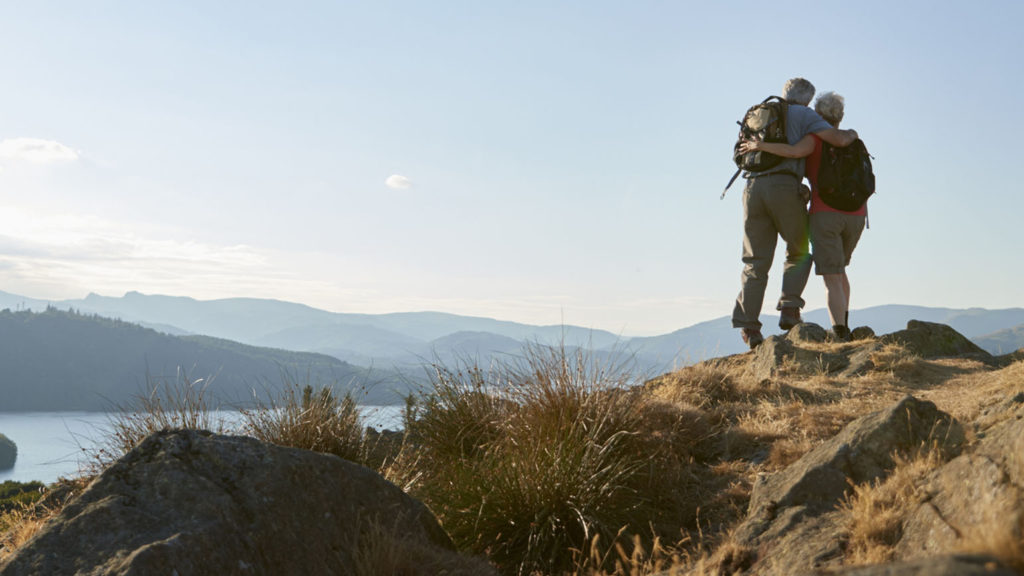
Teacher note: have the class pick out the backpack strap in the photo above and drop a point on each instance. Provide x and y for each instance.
(731, 180)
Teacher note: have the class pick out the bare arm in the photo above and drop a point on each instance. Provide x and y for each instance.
(837, 137)
(799, 150)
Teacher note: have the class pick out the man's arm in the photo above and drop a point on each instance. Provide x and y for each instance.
(799, 150)
(837, 137)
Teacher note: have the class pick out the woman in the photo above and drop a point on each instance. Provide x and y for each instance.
(834, 233)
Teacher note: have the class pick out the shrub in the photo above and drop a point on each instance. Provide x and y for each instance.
(530, 461)
(19, 494)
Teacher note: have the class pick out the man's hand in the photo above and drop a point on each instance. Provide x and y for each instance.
(837, 137)
(750, 146)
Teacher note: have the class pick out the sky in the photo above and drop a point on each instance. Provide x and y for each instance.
(546, 162)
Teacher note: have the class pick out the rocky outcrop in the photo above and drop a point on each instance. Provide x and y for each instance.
(8, 453)
(931, 340)
(799, 349)
(191, 502)
(792, 519)
(978, 495)
(776, 351)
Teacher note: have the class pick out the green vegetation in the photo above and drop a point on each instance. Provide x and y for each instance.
(15, 495)
(8, 452)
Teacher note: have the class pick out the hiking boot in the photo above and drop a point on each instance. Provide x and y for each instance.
(752, 337)
(789, 317)
(840, 333)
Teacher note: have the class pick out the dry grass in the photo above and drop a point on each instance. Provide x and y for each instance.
(181, 403)
(548, 453)
(380, 550)
(311, 419)
(1006, 545)
(629, 558)
(19, 525)
(876, 510)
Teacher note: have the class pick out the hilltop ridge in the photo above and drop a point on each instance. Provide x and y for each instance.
(896, 454)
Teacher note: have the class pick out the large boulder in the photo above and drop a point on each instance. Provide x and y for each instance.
(8, 453)
(976, 496)
(776, 352)
(932, 340)
(792, 518)
(807, 332)
(192, 502)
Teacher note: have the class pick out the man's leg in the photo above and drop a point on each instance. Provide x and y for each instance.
(759, 240)
(790, 212)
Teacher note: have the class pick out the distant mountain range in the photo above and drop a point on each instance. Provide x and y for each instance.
(403, 342)
(59, 360)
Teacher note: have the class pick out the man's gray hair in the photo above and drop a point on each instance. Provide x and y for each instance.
(798, 91)
(830, 106)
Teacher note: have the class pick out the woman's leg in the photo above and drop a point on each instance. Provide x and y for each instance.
(846, 291)
(837, 297)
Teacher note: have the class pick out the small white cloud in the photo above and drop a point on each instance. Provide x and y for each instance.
(37, 151)
(398, 182)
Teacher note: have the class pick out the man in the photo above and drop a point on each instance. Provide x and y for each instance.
(774, 205)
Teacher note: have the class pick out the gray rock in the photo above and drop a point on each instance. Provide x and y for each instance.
(977, 492)
(861, 452)
(775, 351)
(812, 361)
(931, 340)
(860, 359)
(807, 332)
(190, 502)
(956, 565)
(802, 543)
(862, 333)
(769, 357)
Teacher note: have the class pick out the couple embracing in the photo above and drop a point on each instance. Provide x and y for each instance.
(775, 204)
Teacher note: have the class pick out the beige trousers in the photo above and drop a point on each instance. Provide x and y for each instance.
(772, 206)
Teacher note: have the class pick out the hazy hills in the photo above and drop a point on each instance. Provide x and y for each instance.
(403, 342)
(57, 360)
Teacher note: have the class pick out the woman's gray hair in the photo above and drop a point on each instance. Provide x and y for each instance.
(798, 91)
(830, 106)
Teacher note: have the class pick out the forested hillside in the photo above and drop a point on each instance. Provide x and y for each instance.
(60, 360)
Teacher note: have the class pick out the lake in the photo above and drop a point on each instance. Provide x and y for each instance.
(57, 444)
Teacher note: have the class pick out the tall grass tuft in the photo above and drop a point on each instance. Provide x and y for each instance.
(168, 404)
(312, 419)
(532, 460)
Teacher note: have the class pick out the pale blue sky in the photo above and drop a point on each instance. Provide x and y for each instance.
(565, 158)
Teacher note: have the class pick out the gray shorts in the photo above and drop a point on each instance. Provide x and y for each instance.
(834, 236)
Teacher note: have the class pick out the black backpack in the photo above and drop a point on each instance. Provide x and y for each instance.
(767, 122)
(845, 178)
